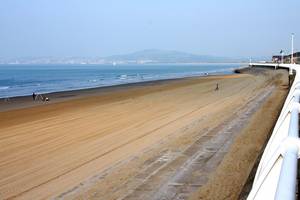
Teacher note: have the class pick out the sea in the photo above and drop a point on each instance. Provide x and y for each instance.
(22, 80)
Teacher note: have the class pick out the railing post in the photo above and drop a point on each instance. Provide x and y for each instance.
(294, 124)
(290, 75)
(286, 188)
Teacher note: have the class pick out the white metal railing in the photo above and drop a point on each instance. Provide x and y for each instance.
(276, 175)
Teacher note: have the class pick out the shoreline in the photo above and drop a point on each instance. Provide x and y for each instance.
(19, 102)
(13, 91)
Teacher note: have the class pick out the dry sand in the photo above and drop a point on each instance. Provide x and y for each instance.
(155, 141)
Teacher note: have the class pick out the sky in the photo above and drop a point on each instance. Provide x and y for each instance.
(96, 28)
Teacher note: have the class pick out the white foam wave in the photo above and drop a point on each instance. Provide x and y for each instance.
(4, 87)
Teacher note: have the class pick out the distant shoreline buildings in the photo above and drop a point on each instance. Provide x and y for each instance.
(286, 58)
(148, 56)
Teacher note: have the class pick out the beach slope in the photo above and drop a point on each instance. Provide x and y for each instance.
(147, 141)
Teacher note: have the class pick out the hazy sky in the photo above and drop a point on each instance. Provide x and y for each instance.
(105, 27)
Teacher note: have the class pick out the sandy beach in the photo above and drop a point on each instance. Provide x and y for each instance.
(175, 139)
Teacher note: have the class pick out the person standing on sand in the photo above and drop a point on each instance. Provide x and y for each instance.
(217, 87)
(33, 96)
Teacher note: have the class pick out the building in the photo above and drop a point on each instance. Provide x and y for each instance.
(297, 57)
(286, 58)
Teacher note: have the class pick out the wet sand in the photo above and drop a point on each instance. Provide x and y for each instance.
(155, 140)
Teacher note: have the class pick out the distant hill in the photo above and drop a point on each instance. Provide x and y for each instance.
(166, 56)
(139, 57)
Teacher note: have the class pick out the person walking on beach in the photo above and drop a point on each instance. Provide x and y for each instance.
(217, 87)
(33, 96)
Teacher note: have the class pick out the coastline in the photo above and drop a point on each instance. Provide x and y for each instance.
(18, 102)
(129, 141)
(17, 81)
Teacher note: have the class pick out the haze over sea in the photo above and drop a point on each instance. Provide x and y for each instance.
(21, 80)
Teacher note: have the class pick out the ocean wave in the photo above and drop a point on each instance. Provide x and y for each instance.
(4, 87)
(123, 76)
